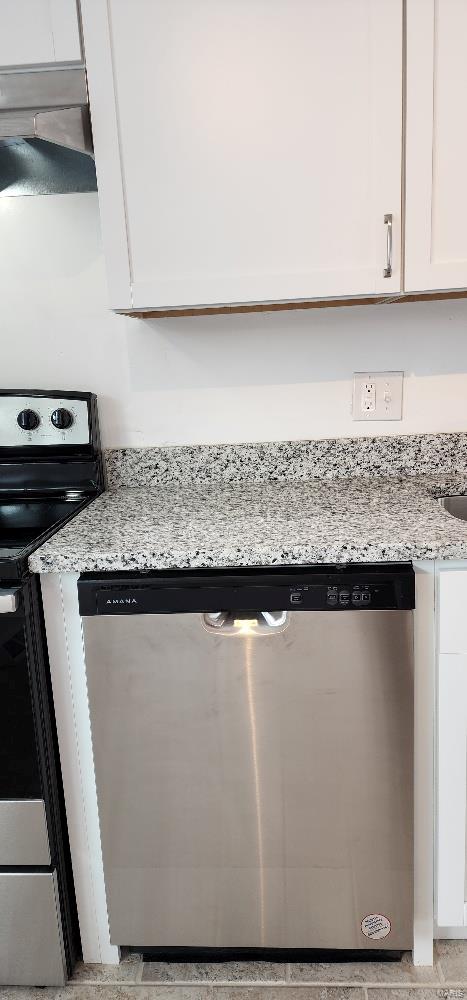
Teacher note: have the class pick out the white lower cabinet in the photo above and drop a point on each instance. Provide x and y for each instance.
(246, 152)
(452, 750)
(452, 784)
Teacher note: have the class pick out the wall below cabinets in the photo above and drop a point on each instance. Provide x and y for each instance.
(208, 379)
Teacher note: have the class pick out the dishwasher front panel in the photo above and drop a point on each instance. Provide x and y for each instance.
(255, 790)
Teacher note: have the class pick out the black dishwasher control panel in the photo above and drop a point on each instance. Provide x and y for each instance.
(359, 596)
(375, 587)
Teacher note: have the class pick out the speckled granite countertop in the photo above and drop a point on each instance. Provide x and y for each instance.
(277, 503)
(260, 524)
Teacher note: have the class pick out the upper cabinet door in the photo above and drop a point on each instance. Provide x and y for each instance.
(436, 191)
(246, 150)
(38, 32)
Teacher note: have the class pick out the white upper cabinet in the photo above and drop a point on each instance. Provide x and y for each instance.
(436, 188)
(38, 32)
(246, 150)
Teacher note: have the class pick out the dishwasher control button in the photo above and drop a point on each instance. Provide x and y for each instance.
(296, 597)
(356, 598)
(366, 597)
(344, 597)
(332, 597)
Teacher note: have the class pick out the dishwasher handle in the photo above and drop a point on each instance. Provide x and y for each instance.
(245, 623)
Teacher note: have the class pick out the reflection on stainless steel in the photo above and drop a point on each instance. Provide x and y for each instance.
(257, 782)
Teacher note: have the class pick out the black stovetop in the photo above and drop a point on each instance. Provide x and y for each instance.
(25, 523)
(50, 468)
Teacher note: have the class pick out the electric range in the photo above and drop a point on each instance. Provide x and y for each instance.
(50, 468)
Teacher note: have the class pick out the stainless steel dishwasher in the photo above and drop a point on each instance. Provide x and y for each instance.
(253, 745)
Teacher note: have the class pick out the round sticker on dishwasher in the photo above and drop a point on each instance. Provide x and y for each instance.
(375, 926)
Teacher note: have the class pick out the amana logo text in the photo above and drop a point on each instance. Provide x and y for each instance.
(121, 600)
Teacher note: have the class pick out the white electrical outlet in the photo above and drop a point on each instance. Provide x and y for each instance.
(377, 396)
(368, 397)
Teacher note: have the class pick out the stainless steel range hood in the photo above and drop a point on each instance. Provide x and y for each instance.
(50, 104)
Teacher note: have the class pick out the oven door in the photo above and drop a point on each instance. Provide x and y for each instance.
(19, 765)
(31, 940)
(23, 825)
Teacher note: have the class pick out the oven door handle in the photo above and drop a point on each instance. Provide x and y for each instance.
(9, 600)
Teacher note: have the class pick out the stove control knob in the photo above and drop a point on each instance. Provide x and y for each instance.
(28, 420)
(61, 419)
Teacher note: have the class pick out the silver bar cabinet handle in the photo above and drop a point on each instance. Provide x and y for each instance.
(388, 223)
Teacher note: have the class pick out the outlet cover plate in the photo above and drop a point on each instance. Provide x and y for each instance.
(377, 396)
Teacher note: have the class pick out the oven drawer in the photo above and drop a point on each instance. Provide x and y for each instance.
(31, 945)
(23, 833)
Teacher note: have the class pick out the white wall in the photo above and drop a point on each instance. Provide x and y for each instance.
(208, 379)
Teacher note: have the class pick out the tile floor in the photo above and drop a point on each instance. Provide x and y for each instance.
(137, 980)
